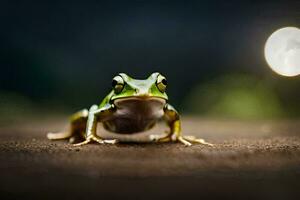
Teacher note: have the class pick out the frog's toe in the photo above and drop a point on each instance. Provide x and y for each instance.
(104, 141)
(96, 139)
(82, 143)
(193, 139)
(184, 141)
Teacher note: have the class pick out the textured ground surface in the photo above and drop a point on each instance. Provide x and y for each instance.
(250, 160)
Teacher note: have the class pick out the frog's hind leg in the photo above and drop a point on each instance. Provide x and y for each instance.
(76, 130)
(173, 121)
(59, 136)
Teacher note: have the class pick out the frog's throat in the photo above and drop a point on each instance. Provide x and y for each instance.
(135, 114)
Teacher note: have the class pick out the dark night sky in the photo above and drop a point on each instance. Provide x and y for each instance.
(63, 50)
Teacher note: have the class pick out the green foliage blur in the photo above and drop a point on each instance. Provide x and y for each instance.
(244, 96)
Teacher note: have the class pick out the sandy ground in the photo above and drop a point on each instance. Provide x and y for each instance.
(250, 160)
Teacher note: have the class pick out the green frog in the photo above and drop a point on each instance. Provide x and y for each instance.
(132, 106)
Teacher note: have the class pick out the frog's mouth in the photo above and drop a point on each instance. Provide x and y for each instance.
(140, 102)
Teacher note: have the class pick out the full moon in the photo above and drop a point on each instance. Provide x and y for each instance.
(282, 51)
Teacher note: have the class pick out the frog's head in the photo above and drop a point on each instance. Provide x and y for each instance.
(125, 87)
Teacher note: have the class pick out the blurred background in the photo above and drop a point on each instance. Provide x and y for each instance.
(60, 57)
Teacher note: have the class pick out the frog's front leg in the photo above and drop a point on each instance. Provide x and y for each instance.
(94, 116)
(173, 120)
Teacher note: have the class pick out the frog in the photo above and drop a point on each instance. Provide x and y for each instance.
(132, 106)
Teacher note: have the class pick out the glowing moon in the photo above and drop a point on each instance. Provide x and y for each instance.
(282, 51)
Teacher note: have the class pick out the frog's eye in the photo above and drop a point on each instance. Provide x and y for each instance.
(117, 84)
(161, 83)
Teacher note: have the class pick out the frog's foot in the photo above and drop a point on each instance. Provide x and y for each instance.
(169, 138)
(58, 136)
(96, 139)
(188, 140)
